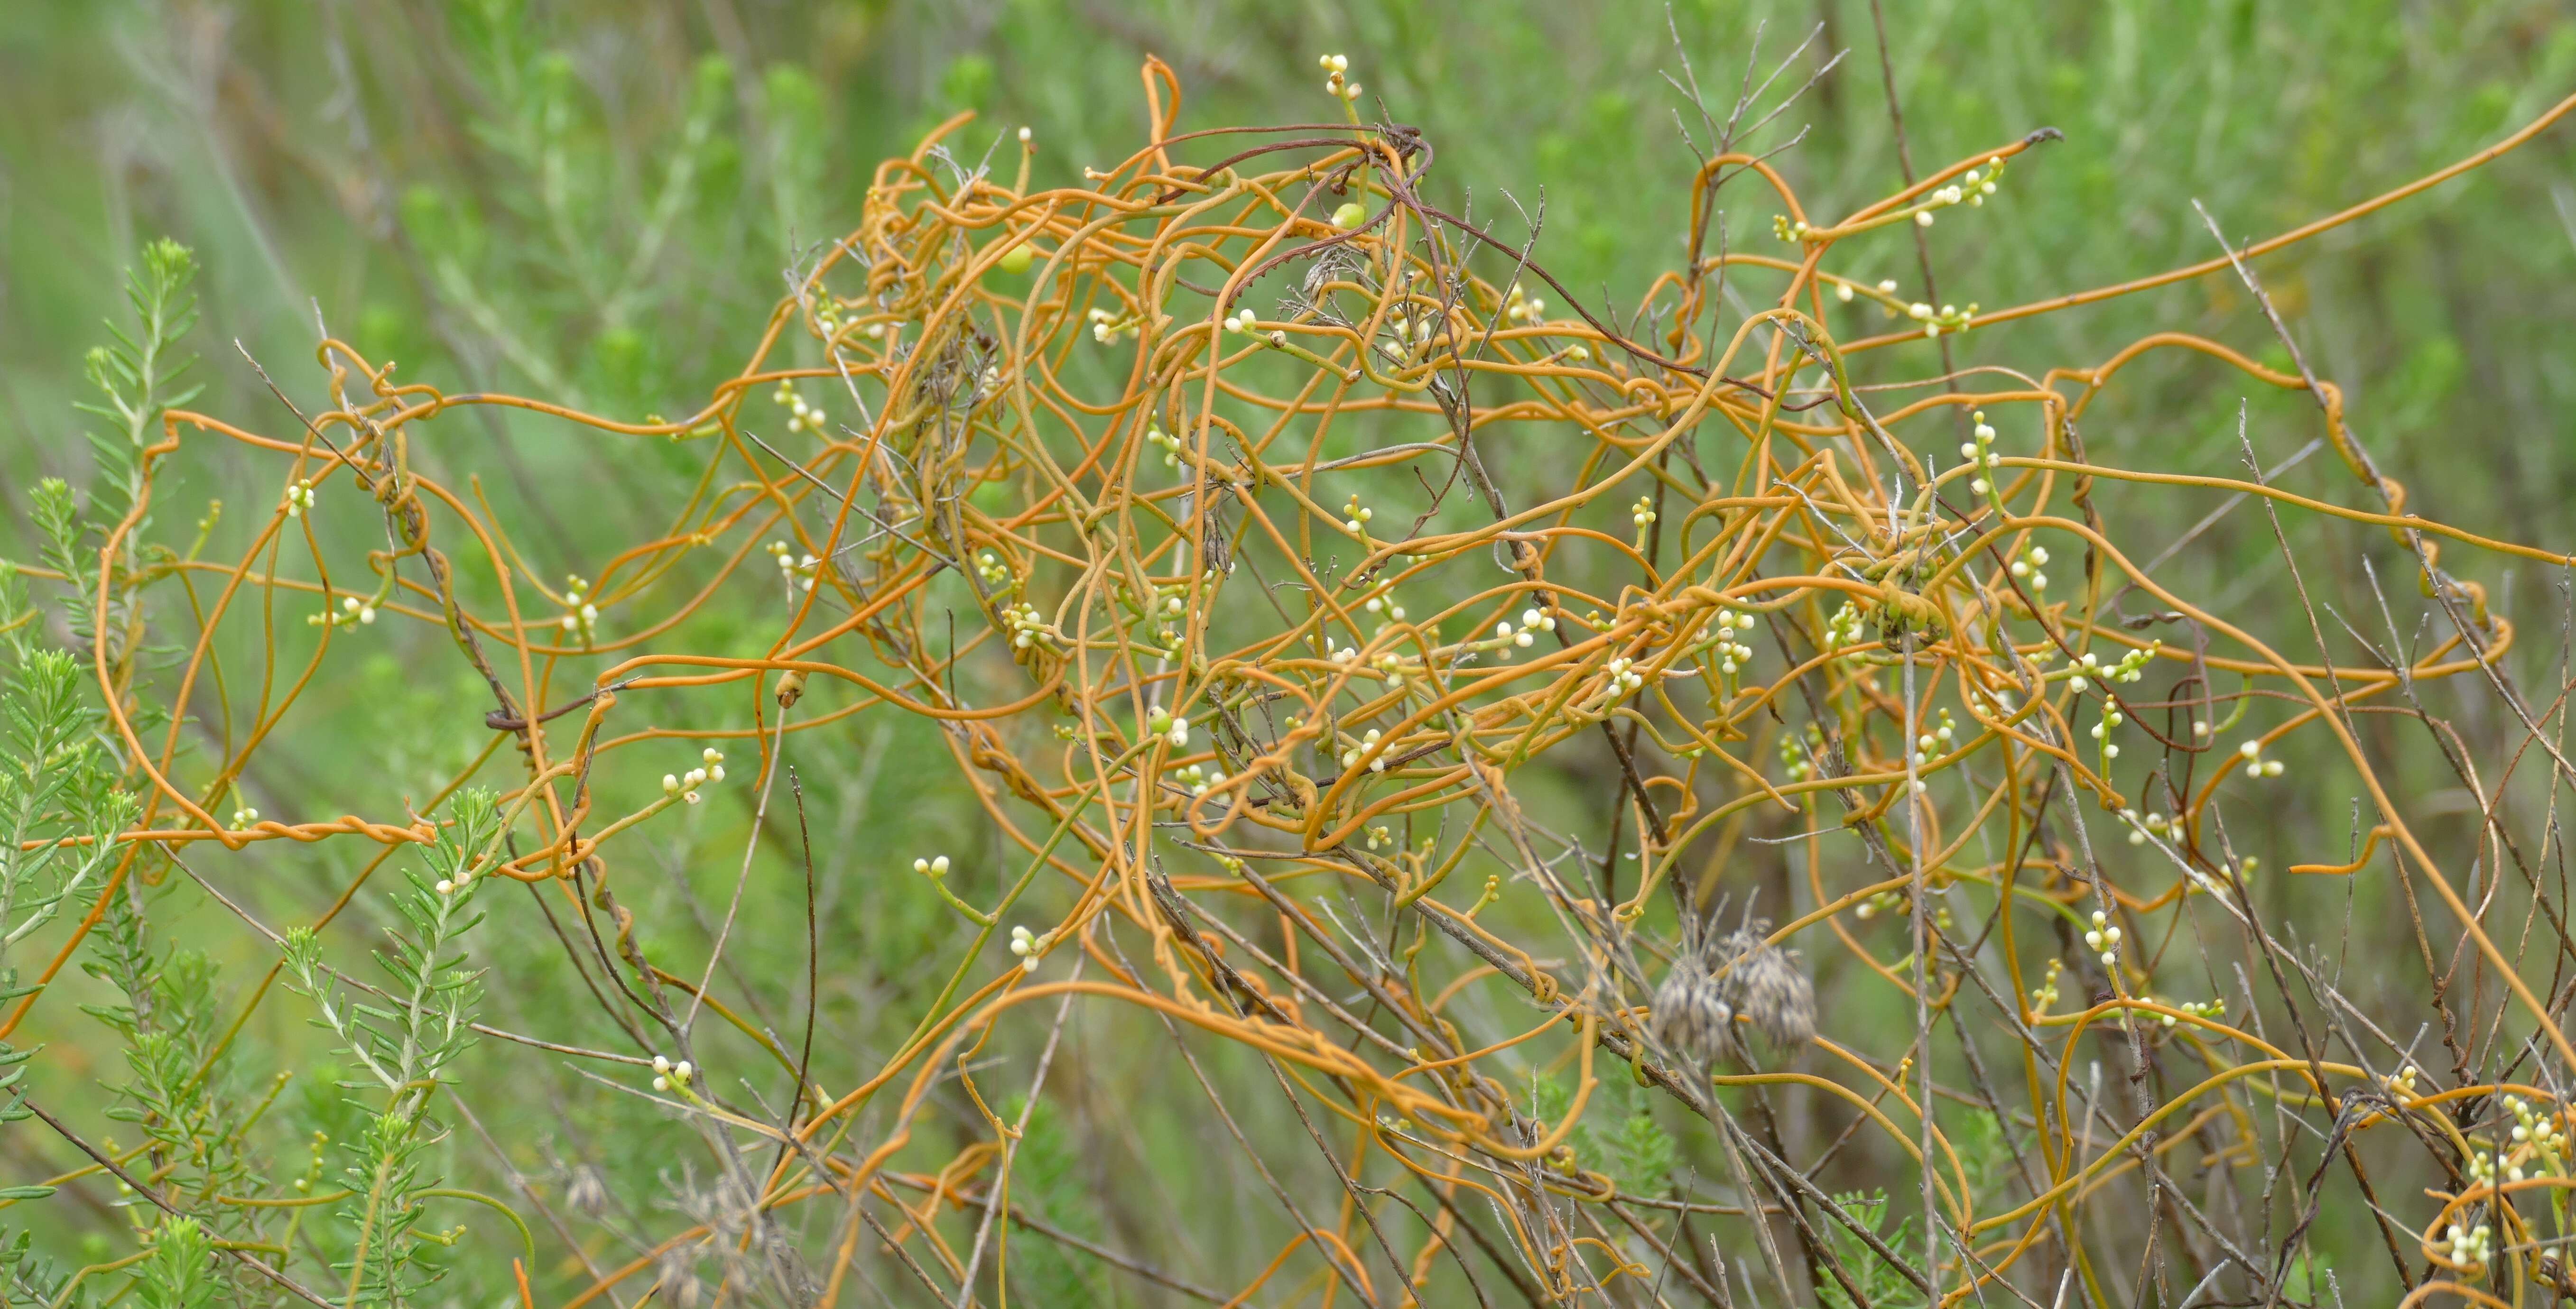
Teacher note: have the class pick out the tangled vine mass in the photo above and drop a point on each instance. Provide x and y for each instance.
(1193, 507)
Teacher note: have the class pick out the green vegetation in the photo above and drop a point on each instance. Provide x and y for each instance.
(376, 1065)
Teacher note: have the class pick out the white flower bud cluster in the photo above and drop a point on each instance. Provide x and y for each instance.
(1164, 441)
(1334, 67)
(1384, 603)
(1174, 730)
(1642, 513)
(710, 769)
(2482, 1167)
(1107, 328)
(2132, 667)
(352, 610)
(1947, 318)
(1624, 679)
(1366, 748)
(2403, 1082)
(1843, 627)
(990, 567)
(2193, 1008)
(1241, 321)
(1378, 836)
(1028, 626)
(2543, 1133)
(794, 569)
(935, 866)
(1928, 742)
(1028, 947)
(2471, 1246)
(2111, 718)
(299, 498)
(2255, 764)
(245, 817)
(667, 1074)
(2104, 937)
(801, 417)
(1199, 781)
(1520, 307)
(2152, 824)
(2028, 565)
(1508, 638)
(462, 880)
(1971, 189)
(583, 621)
(1355, 516)
(1731, 653)
(1980, 454)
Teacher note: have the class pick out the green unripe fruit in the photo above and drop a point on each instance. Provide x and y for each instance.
(1016, 260)
(1349, 216)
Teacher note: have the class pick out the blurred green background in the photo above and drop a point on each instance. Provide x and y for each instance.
(593, 202)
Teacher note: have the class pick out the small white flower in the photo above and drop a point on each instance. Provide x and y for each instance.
(1923, 219)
